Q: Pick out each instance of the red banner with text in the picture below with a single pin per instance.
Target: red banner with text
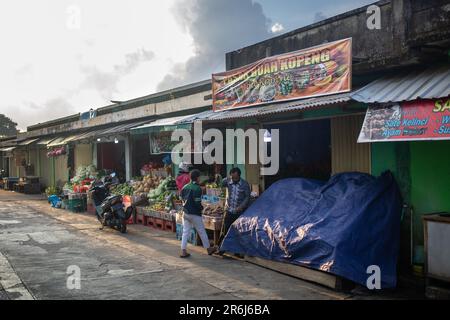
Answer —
(414, 120)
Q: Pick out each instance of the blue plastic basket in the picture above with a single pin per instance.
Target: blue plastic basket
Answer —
(192, 239)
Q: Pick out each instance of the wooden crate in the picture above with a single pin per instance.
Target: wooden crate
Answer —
(212, 223)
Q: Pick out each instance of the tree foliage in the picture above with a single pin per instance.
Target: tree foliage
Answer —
(7, 126)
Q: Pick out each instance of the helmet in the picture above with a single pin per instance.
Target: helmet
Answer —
(184, 167)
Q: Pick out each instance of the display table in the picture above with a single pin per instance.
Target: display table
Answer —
(9, 183)
(213, 224)
(27, 185)
(437, 250)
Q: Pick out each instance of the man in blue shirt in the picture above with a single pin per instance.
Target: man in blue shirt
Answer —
(191, 194)
(238, 199)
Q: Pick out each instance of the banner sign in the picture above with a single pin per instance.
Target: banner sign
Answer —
(414, 120)
(321, 70)
(160, 142)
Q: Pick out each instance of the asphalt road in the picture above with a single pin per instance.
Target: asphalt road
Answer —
(40, 248)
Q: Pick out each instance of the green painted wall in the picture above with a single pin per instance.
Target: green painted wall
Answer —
(422, 173)
(430, 178)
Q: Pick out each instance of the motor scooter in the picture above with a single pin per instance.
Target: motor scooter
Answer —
(109, 208)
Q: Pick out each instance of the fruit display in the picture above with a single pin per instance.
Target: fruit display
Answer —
(149, 167)
(213, 210)
(157, 206)
(165, 202)
(146, 185)
(158, 194)
(123, 189)
(83, 173)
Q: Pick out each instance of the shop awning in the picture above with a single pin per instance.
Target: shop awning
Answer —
(166, 124)
(56, 142)
(45, 141)
(271, 108)
(7, 149)
(431, 83)
(109, 131)
(27, 142)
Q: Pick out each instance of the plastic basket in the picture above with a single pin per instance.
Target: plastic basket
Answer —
(179, 233)
(77, 205)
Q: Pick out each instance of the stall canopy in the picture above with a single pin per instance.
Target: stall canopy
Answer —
(167, 124)
(407, 107)
(8, 149)
(92, 133)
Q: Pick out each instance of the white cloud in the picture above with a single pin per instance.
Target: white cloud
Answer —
(277, 27)
(50, 70)
(216, 27)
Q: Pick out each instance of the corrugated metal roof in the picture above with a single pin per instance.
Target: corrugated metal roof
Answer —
(271, 109)
(163, 122)
(45, 141)
(28, 142)
(56, 142)
(431, 83)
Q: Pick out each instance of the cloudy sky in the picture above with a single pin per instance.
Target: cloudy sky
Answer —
(63, 57)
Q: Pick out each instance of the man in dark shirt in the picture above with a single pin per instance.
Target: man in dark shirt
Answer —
(191, 194)
(238, 199)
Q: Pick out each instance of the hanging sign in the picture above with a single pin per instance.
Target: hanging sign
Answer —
(414, 120)
(320, 70)
(160, 142)
(56, 152)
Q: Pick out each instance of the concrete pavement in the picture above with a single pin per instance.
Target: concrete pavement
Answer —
(41, 246)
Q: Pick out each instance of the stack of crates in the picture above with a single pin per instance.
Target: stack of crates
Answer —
(77, 202)
(193, 237)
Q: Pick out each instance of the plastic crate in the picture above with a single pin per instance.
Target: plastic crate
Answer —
(179, 233)
(130, 220)
(150, 222)
(169, 226)
(65, 204)
(77, 205)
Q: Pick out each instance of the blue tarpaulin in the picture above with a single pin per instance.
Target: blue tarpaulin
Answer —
(342, 226)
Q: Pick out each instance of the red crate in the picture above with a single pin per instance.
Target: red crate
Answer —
(159, 224)
(150, 222)
(141, 219)
(170, 226)
(130, 220)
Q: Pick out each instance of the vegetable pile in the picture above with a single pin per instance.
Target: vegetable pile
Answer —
(123, 190)
(148, 183)
(83, 173)
(159, 194)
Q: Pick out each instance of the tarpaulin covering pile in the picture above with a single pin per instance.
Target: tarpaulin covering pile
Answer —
(342, 226)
